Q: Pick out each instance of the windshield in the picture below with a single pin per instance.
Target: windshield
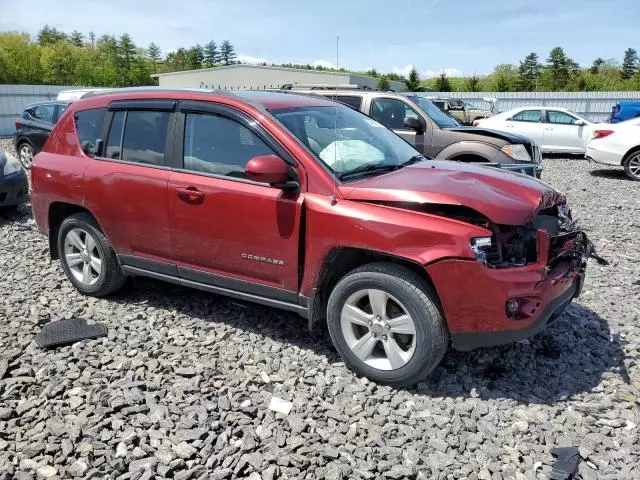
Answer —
(346, 140)
(434, 113)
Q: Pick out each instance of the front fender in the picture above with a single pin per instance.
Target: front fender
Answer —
(414, 236)
(484, 151)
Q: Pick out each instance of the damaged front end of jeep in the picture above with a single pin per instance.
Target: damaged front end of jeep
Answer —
(551, 236)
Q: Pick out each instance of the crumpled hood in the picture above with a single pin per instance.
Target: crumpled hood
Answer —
(503, 197)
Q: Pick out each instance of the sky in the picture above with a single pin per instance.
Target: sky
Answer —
(461, 37)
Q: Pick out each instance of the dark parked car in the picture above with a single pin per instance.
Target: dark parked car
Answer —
(304, 204)
(14, 186)
(33, 127)
(438, 134)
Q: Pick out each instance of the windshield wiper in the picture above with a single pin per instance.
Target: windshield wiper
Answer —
(412, 160)
(366, 169)
(377, 167)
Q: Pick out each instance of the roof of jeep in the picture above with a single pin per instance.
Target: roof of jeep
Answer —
(269, 100)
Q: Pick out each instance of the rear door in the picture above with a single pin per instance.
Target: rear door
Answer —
(126, 183)
(527, 123)
(229, 231)
(561, 134)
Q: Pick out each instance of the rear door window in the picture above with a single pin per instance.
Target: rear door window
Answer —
(350, 100)
(88, 128)
(531, 116)
(114, 140)
(145, 135)
(138, 136)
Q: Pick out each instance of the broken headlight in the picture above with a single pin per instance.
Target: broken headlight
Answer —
(481, 246)
(508, 247)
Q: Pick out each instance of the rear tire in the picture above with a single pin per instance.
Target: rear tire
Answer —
(385, 322)
(632, 165)
(87, 257)
(25, 154)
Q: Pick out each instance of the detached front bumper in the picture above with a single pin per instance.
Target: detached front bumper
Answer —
(14, 189)
(474, 298)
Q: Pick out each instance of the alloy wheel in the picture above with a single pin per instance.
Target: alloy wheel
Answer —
(26, 155)
(634, 166)
(83, 257)
(378, 329)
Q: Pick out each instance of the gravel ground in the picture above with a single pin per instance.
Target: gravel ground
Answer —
(180, 387)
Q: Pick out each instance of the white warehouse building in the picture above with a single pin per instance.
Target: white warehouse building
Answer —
(258, 77)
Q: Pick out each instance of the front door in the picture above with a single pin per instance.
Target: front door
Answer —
(391, 113)
(561, 134)
(228, 231)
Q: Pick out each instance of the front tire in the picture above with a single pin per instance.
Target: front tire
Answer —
(385, 322)
(87, 257)
(632, 166)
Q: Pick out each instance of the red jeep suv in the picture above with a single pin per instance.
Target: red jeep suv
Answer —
(307, 205)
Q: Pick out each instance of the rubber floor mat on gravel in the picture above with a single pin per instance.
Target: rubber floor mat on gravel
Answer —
(66, 332)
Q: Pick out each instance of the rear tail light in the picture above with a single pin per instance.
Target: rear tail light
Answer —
(475, 123)
(601, 133)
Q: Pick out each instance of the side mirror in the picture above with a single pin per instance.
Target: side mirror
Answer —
(413, 123)
(579, 122)
(269, 169)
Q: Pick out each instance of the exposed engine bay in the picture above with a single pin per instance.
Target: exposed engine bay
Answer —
(519, 246)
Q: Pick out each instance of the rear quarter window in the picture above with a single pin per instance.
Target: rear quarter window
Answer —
(88, 128)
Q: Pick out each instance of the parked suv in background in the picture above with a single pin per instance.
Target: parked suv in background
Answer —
(439, 135)
(307, 205)
(464, 112)
(33, 127)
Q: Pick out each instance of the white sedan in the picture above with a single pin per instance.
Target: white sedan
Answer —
(617, 144)
(555, 130)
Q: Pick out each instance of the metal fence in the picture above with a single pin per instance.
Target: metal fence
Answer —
(595, 106)
(13, 98)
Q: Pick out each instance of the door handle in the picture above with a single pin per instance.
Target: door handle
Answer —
(549, 128)
(190, 195)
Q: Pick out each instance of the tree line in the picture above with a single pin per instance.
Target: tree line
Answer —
(558, 73)
(58, 58)
(55, 57)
